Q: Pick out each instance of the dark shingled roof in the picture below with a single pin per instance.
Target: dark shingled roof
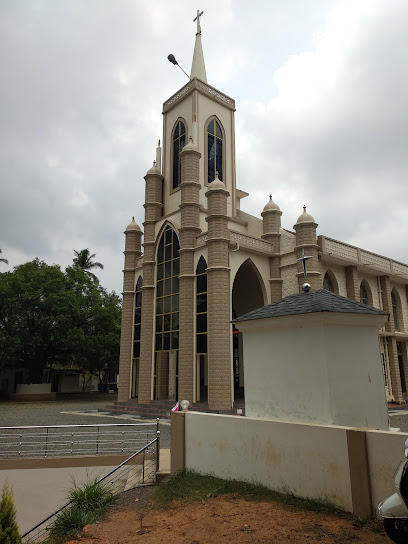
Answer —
(309, 303)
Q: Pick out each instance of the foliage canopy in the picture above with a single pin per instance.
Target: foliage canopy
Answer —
(49, 317)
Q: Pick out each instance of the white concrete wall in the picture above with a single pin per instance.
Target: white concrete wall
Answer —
(356, 383)
(285, 373)
(33, 388)
(306, 460)
(322, 368)
(385, 452)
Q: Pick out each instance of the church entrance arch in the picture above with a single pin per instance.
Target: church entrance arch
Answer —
(248, 293)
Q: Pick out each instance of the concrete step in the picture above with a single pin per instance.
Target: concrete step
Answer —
(135, 475)
(162, 409)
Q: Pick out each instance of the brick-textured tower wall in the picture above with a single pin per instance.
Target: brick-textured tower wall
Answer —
(133, 241)
(391, 341)
(271, 221)
(306, 240)
(219, 304)
(190, 227)
(153, 212)
(352, 283)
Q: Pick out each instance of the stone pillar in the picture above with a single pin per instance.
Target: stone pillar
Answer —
(153, 212)
(306, 239)
(391, 340)
(271, 217)
(133, 244)
(162, 374)
(352, 283)
(190, 227)
(219, 304)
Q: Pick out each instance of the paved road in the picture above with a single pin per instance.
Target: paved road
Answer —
(71, 410)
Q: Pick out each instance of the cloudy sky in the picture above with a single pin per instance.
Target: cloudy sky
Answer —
(321, 90)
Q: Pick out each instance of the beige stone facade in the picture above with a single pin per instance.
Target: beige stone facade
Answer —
(205, 262)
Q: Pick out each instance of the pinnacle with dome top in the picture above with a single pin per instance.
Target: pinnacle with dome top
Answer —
(198, 65)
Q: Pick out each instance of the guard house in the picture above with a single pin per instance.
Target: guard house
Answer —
(321, 347)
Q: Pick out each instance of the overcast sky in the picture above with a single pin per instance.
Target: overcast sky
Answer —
(321, 90)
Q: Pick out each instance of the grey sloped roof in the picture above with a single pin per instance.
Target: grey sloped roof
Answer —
(309, 303)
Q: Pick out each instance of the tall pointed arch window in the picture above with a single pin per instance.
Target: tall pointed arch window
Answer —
(138, 318)
(214, 146)
(179, 141)
(395, 311)
(167, 292)
(327, 283)
(201, 306)
(363, 294)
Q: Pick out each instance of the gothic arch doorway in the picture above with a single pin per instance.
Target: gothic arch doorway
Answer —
(248, 293)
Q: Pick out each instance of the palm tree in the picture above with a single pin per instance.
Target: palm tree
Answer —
(3, 260)
(83, 261)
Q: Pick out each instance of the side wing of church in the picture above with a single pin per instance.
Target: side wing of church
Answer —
(205, 262)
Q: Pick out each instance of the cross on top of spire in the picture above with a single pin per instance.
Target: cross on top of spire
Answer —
(198, 21)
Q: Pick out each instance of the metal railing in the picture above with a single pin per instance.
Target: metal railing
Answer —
(139, 469)
(74, 440)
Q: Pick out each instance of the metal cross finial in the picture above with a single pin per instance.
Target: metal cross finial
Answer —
(270, 197)
(304, 258)
(198, 21)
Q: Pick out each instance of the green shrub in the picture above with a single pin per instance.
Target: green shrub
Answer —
(9, 533)
(70, 522)
(91, 496)
(88, 504)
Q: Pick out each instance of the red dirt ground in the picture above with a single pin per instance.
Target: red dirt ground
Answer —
(227, 519)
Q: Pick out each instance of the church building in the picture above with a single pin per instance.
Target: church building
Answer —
(202, 262)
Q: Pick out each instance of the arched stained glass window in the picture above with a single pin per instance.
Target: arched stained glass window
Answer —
(179, 141)
(214, 140)
(138, 318)
(167, 292)
(201, 306)
(363, 294)
(327, 283)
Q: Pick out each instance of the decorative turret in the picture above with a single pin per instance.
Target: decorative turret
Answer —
(218, 273)
(271, 217)
(153, 212)
(132, 226)
(189, 229)
(306, 240)
(133, 250)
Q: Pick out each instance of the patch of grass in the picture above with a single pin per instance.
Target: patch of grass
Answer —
(188, 486)
(89, 502)
(91, 497)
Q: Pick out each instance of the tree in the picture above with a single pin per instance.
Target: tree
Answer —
(9, 533)
(49, 318)
(83, 261)
(3, 260)
(97, 352)
(37, 317)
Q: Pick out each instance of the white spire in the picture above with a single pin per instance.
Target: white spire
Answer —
(198, 66)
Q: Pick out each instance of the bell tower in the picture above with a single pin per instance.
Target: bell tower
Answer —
(205, 114)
